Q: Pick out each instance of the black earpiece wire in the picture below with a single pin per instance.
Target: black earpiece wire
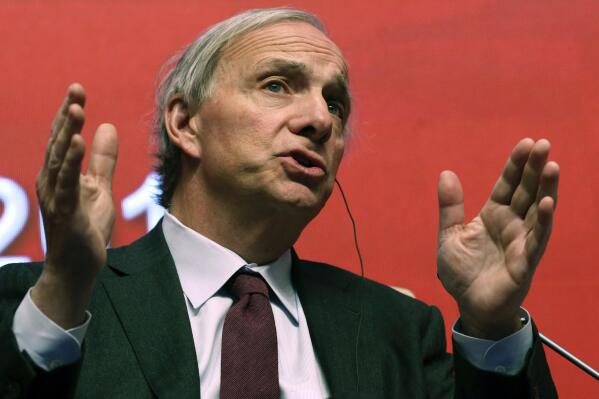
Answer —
(353, 222)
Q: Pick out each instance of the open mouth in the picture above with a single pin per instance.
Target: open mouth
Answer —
(307, 160)
(299, 158)
(305, 167)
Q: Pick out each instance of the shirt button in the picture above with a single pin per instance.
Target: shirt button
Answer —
(500, 369)
(12, 391)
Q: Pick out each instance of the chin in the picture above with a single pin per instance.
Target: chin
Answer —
(303, 199)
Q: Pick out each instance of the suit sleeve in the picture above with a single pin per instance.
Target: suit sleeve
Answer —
(19, 377)
(533, 382)
(465, 381)
(437, 363)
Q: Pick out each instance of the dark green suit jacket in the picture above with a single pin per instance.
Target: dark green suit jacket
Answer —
(371, 341)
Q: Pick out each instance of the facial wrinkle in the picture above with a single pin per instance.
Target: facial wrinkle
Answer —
(314, 42)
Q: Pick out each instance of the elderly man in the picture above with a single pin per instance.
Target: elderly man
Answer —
(214, 302)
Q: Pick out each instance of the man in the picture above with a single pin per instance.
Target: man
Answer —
(252, 121)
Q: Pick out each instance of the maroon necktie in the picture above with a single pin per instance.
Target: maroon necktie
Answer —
(249, 361)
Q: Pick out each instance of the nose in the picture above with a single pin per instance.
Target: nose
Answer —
(311, 118)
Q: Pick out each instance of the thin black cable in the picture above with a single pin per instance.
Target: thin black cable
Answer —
(353, 222)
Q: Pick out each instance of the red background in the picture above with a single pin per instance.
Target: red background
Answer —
(437, 85)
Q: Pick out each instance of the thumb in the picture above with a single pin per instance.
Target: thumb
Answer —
(451, 200)
(103, 154)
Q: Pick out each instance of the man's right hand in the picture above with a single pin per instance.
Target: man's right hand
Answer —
(78, 212)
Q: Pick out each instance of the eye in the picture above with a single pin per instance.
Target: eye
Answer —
(275, 87)
(335, 108)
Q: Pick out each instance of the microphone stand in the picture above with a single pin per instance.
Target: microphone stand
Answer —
(570, 357)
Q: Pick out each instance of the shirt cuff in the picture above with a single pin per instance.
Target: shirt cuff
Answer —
(506, 356)
(48, 345)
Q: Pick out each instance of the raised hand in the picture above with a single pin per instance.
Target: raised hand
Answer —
(77, 209)
(487, 265)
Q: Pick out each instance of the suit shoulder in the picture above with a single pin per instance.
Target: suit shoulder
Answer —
(372, 291)
(150, 244)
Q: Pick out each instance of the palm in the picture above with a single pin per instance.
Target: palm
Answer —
(487, 265)
(98, 206)
(97, 213)
(82, 232)
(482, 265)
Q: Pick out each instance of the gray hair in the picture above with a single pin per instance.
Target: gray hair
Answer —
(189, 74)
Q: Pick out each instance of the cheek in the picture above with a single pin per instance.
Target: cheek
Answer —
(258, 133)
(337, 154)
(243, 146)
(240, 133)
(230, 130)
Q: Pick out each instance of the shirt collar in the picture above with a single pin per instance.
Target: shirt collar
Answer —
(204, 266)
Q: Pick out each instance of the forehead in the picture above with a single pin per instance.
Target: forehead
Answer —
(291, 40)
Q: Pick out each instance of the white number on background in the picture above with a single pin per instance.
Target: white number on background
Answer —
(142, 201)
(16, 212)
(42, 231)
(14, 217)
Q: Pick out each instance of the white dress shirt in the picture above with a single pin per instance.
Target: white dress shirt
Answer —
(204, 267)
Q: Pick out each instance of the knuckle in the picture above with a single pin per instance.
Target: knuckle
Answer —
(53, 164)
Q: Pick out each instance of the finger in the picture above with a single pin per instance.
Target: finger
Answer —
(451, 200)
(547, 188)
(67, 183)
(528, 188)
(512, 172)
(75, 95)
(549, 182)
(536, 242)
(73, 125)
(103, 154)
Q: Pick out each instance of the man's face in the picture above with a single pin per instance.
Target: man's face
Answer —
(273, 131)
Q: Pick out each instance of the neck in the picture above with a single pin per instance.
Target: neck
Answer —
(257, 235)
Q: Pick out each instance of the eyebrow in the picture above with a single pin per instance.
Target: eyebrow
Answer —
(279, 65)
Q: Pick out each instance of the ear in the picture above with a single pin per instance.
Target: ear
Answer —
(182, 127)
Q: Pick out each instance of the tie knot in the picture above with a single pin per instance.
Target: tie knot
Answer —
(248, 283)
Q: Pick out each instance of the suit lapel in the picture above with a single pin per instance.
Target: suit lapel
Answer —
(146, 294)
(149, 302)
(333, 315)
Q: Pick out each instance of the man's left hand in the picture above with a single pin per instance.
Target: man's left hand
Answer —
(487, 265)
